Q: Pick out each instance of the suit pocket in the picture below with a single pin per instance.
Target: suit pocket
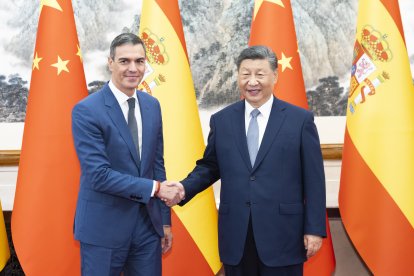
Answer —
(291, 208)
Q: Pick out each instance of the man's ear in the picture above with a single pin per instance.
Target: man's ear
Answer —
(276, 77)
(110, 63)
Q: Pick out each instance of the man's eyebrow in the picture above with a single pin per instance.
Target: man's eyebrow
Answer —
(125, 58)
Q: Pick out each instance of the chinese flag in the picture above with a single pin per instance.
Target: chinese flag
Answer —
(48, 177)
(168, 78)
(273, 26)
(376, 196)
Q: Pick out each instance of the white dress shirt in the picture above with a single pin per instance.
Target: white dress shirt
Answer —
(262, 118)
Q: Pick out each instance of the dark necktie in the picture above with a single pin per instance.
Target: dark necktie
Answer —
(253, 136)
(133, 125)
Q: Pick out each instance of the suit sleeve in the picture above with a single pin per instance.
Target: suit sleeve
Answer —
(314, 180)
(206, 171)
(90, 147)
(159, 172)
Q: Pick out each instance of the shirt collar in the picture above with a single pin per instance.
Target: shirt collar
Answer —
(119, 95)
(264, 108)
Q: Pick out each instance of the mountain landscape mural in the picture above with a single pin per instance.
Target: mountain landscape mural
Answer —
(215, 31)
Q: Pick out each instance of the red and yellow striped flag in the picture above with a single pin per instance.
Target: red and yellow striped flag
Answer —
(168, 78)
(4, 243)
(49, 171)
(273, 26)
(376, 196)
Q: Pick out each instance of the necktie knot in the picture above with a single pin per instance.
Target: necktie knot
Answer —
(131, 103)
(255, 112)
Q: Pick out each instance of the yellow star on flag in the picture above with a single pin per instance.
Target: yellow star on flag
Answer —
(50, 3)
(79, 53)
(61, 65)
(258, 4)
(285, 62)
(36, 61)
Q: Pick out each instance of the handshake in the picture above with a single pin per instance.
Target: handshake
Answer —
(171, 192)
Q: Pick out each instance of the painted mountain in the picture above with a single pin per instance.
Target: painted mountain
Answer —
(215, 32)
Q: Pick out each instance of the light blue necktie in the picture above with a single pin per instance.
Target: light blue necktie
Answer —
(253, 136)
(133, 125)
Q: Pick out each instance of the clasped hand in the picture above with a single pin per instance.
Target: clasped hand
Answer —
(171, 192)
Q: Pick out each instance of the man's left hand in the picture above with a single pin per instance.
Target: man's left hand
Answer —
(166, 241)
(312, 244)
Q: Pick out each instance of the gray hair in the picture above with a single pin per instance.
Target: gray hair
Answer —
(258, 52)
(122, 39)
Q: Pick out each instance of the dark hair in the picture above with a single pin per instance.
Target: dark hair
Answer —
(122, 39)
(258, 52)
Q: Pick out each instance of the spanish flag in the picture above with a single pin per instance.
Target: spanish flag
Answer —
(168, 78)
(376, 196)
(273, 26)
(4, 243)
(49, 171)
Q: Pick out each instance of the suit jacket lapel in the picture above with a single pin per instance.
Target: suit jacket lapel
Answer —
(147, 124)
(239, 130)
(115, 113)
(276, 119)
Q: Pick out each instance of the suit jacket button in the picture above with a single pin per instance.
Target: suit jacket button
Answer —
(252, 178)
(248, 203)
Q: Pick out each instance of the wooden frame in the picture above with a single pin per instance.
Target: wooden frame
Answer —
(9, 157)
(329, 152)
(331, 141)
(332, 151)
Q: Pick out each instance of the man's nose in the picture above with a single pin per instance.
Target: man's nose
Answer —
(252, 81)
(132, 67)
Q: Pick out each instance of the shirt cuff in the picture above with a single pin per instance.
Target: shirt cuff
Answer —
(154, 186)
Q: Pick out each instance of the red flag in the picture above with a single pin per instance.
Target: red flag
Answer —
(48, 177)
(273, 26)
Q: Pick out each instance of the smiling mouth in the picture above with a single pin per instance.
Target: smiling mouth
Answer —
(132, 78)
(253, 92)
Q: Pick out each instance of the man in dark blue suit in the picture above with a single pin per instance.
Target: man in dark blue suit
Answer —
(268, 156)
(120, 222)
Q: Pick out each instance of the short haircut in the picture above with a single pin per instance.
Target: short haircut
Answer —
(258, 52)
(122, 39)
